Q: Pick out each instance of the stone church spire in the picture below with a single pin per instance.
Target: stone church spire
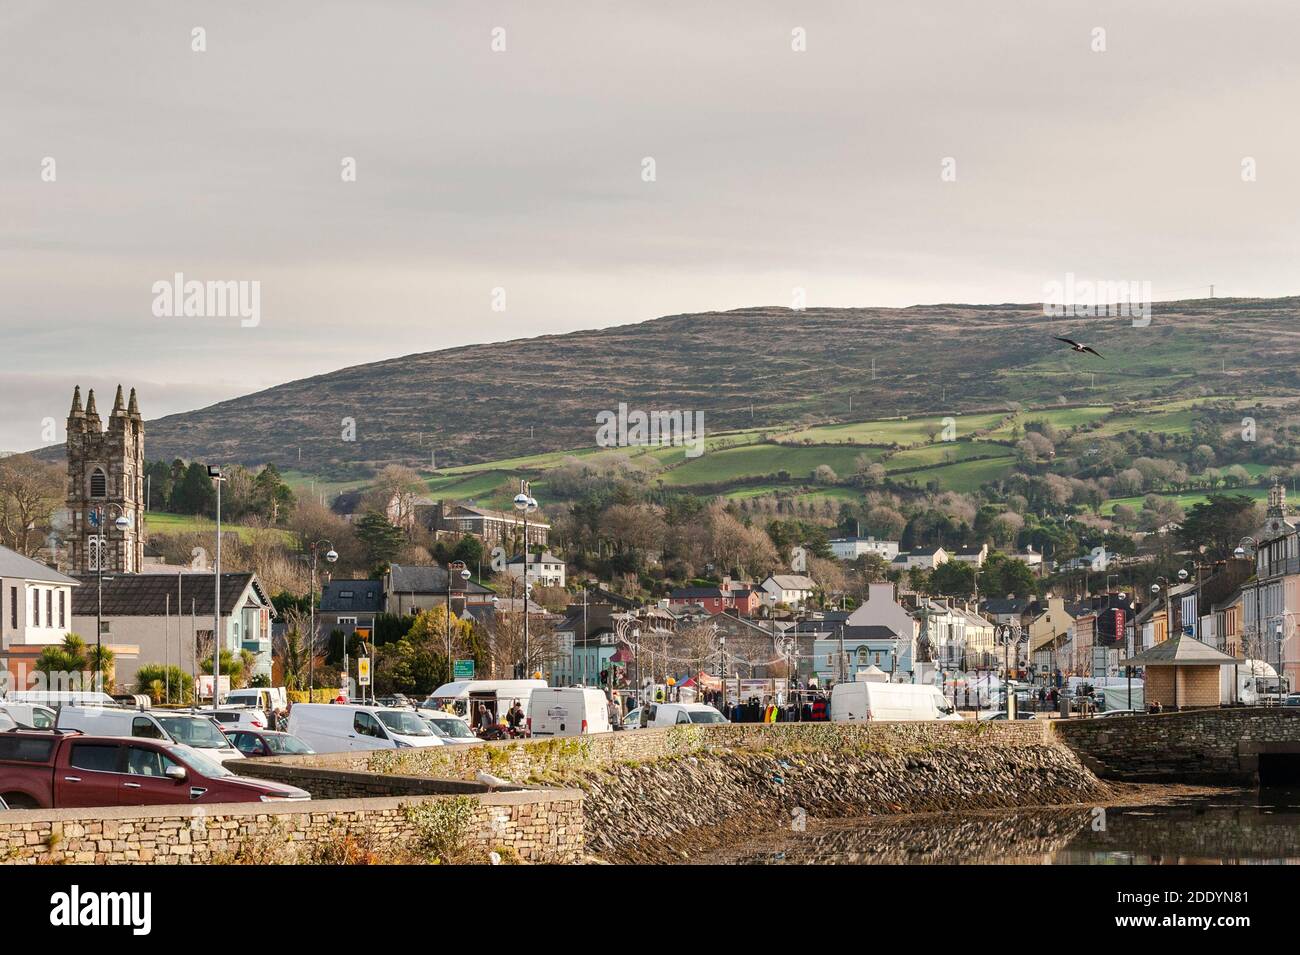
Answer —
(76, 411)
(132, 408)
(91, 410)
(119, 405)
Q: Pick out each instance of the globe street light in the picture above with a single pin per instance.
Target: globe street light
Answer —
(123, 524)
(526, 504)
(453, 569)
(331, 555)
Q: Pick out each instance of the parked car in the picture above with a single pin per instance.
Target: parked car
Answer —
(339, 727)
(261, 742)
(31, 715)
(632, 721)
(189, 729)
(670, 714)
(242, 717)
(452, 729)
(395, 700)
(863, 701)
(59, 769)
(567, 711)
(7, 722)
(1002, 715)
(1291, 699)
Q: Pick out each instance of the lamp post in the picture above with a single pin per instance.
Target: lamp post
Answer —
(123, 523)
(331, 555)
(214, 472)
(526, 504)
(454, 569)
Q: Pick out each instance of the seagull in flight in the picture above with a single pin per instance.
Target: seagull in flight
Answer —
(1077, 347)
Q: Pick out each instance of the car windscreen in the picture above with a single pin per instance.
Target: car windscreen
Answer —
(199, 732)
(456, 729)
(199, 762)
(404, 723)
(285, 745)
(706, 716)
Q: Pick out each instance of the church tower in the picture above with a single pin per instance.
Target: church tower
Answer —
(105, 482)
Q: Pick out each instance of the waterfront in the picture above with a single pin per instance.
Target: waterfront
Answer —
(1229, 826)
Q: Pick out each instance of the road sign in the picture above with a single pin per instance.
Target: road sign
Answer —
(363, 671)
(464, 670)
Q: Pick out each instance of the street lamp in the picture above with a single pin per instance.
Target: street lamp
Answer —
(123, 523)
(454, 568)
(331, 556)
(526, 504)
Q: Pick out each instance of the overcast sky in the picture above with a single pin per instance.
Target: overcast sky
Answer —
(522, 170)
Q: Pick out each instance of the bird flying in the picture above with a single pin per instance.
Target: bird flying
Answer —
(1077, 347)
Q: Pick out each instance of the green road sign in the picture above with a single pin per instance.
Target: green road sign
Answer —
(464, 669)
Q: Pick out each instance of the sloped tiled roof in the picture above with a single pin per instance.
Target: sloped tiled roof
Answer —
(150, 595)
(14, 564)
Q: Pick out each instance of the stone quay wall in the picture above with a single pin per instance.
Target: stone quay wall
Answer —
(664, 794)
(529, 826)
(1209, 745)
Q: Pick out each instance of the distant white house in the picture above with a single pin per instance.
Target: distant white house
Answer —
(926, 557)
(793, 590)
(972, 555)
(851, 548)
(544, 569)
(35, 611)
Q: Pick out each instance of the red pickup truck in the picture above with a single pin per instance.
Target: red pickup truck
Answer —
(61, 769)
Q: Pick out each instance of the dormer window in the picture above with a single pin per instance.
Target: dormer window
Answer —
(98, 483)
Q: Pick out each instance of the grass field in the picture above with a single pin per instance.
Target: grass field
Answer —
(732, 464)
(904, 431)
(161, 522)
(1186, 500)
(964, 476)
(1061, 418)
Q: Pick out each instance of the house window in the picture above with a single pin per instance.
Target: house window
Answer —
(49, 608)
(34, 617)
(62, 618)
(98, 483)
(13, 607)
(347, 621)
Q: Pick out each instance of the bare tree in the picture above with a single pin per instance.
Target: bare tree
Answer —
(30, 490)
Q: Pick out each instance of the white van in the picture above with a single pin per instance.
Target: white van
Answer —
(670, 714)
(55, 699)
(30, 714)
(567, 711)
(188, 729)
(340, 727)
(236, 717)
(872, 702)
(268, 699)
(464, 697)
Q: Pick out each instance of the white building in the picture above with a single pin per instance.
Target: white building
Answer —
(927, 558)
(544, 569)
(35, 611)
(851, 548)
(793, 590)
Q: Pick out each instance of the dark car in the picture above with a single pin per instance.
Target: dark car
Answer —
(267, 743)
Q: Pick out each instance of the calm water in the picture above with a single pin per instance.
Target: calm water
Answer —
(1228, 828)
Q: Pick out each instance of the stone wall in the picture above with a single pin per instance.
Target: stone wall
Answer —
(538, 760)
(657, 795)
(1213, 745)
(530, 826)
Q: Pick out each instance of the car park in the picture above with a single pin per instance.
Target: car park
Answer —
(58, 769)
(340, 727)
(263, 742)
(453, 729)
(190, 729)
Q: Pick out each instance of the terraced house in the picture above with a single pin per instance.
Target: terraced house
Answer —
(35, 611)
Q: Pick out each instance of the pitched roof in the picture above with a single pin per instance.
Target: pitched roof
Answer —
(14, 564)
(150, 595)
(692, 593)
(546, 557)
(1180, 650)
(792, 582)
(419, 579)
(342, 596)
(873, 632)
